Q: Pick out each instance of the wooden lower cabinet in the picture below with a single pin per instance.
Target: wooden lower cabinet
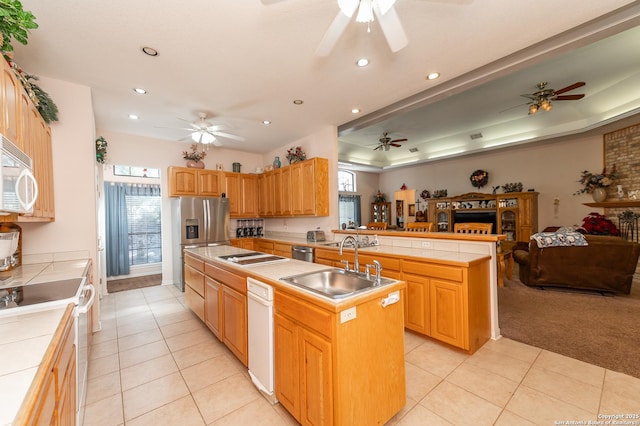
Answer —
(225, 312)
(448, 303)
(416, 311)
(330, 371)
(263, 246)
(234, 323)
(194, 289)
(243, 243)
(52, 397)
(303, 372)
(212, 311)
(282, 249)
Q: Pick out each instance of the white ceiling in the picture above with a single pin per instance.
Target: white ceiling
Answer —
(244, 61)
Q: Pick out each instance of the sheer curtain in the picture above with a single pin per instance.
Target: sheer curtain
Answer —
(349, 209)
(117, 223)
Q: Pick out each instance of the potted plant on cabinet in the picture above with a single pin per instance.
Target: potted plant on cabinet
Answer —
(15, 23)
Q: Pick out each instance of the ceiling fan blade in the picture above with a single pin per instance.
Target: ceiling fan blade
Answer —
(513, 107)
(571, 87)
(568, 97)
(227, 135)
(378, 147)
(397, 145)
(392, 28)
(334, 32)
(400, 140)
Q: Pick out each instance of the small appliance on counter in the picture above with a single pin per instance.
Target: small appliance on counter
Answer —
(315, 236)
(10, 253)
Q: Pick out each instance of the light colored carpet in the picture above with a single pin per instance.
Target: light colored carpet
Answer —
(600, 330)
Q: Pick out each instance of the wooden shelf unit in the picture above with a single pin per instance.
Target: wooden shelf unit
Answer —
(516, 212)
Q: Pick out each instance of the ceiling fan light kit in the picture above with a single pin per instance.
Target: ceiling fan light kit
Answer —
(543, 97)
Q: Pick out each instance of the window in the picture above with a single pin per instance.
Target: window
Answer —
(145, 240)
(349, 210)
(346, 181)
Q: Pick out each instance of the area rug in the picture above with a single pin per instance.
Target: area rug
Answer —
(600, 330)
(114, 286)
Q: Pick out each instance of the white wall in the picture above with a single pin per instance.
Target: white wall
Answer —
(552, 168)
(73, 175)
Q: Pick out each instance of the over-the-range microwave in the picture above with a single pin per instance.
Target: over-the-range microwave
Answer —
(18, 186)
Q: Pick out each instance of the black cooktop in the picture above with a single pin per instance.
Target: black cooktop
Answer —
(31, 294)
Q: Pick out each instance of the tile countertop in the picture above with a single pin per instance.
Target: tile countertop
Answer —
(24, 339)
(25, 334)
(275, 270)
(409, 248)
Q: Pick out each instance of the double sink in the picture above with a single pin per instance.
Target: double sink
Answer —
(336, 283)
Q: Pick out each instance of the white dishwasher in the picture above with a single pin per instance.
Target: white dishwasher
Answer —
(260, 319)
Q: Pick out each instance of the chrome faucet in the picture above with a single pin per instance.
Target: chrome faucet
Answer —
(356, 263)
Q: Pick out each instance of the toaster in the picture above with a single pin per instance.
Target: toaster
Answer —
(315, 236)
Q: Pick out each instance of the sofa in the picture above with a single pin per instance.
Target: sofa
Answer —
(606, 264)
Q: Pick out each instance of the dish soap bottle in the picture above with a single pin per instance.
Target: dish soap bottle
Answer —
(276, 163)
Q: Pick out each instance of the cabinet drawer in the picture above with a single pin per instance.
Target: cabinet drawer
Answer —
(194, 301)
(332, 254)
(452, 273)
(304, 313)
(194, 279)
(195, 263)
(388, 263)
(229, 279)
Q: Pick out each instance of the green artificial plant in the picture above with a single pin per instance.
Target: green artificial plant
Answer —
(15, 23)
(47, 108)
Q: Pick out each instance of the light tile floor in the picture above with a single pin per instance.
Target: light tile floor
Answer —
(155, 363)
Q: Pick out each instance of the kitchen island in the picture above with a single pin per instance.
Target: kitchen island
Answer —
(337, 361)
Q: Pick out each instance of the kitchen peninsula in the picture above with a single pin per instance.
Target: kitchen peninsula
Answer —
(337, 361)
(400, 253)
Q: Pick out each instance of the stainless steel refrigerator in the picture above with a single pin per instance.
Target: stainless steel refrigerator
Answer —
(197, 222)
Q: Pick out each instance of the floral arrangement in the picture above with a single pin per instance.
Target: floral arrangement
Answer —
(101, 150)
(296, 154)
(598, 224)
(194, 155)
(512, 187)
(425, 195)
(439, 193)
(479, 178)
(379, 198)
(592, 181)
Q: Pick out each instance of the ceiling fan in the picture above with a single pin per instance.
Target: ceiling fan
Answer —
(205, 132)
(543, 97)
(367, 12)
(386, 142)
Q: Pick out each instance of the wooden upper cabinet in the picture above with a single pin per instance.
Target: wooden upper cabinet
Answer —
(22, 124)
(194, 182)
(209, 183)
(266, 194)
(249, 193)
(11, 90)
(233, 191)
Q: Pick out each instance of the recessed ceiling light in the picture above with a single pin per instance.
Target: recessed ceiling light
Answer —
(362, 62)
(355, 110)
(298, 102)
(139, 90)
(433, 76)
(150, 51)
(266, 122)
(134, 117)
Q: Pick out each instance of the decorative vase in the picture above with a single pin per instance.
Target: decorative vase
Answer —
(195, 164)
(276, 163)
(599, 194)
